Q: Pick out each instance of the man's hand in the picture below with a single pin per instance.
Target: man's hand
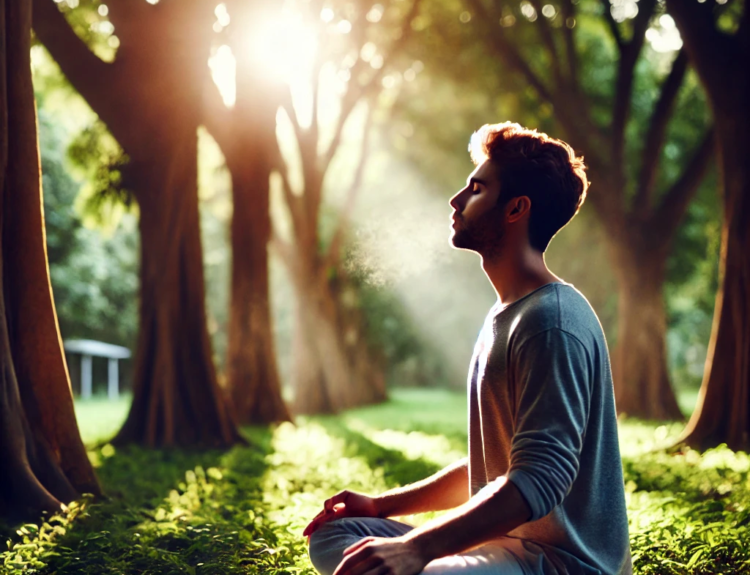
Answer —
(376, 555)
(344, 504)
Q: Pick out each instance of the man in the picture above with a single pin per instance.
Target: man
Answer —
(542, 489)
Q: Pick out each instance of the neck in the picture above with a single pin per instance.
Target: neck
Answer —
(517, 273)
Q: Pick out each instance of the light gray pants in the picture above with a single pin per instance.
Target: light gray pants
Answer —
(327, 546)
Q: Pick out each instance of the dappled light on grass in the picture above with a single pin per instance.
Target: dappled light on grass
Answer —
(243, 511)
(689, 512)
(307, 465)
(414, 445)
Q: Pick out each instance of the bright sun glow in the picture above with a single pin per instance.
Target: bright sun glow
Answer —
(283, 47)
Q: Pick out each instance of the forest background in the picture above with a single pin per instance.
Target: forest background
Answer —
(252, 197)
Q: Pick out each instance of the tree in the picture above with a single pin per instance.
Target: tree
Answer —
(246, 135)
(44, 461)
(149, 98)
(721, 57)
(335, 366)
(638, 206)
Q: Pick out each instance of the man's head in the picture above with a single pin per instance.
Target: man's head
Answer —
(525, 183)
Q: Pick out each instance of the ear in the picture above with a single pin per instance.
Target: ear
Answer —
(517, 208)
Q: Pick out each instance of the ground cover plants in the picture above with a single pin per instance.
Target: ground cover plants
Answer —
(242, 511)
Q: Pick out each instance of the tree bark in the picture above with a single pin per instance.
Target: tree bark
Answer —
(252, 377)
(44, 460)
(176, 398)
(723, 411)
(639, 359)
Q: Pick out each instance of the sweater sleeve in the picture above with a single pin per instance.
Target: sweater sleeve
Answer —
(552, 386)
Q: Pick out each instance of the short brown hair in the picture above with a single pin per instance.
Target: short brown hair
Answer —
(532, 164)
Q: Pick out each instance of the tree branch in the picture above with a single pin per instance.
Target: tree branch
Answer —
(93, 78)
(549, 41)
(355, 92)
(217, 118)
(711, 52)
(672, 208)
(334, 249)
(507, 52)
(288, 105)
(657, 129)
(613, 27)
(568, 12)
(293, 202)
(629, 53)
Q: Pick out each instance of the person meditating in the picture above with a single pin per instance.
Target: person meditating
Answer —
(541, 491)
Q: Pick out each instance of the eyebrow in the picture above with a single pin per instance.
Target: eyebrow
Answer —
(476, 181)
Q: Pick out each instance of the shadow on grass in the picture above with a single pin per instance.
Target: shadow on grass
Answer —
(397, 468)
(165, 512)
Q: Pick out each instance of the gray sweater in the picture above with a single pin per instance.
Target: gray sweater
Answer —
(542, 413)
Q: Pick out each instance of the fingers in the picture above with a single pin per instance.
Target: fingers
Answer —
(358, 562)
(331, 508)
(314, 524)
(335, 500)
(357, 545)
(311, 526)
(338, 511)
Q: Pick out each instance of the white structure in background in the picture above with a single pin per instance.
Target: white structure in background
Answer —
(88, 349)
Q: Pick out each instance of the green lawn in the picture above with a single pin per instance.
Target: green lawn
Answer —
(242, 511)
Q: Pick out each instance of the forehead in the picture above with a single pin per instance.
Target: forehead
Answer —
(485, 172)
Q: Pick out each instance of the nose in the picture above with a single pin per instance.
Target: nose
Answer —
(458, 202)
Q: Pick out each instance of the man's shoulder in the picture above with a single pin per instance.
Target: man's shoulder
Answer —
(558, 306)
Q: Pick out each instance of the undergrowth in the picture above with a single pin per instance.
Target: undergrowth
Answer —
(242, 511)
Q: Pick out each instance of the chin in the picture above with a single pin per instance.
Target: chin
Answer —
(460, 241)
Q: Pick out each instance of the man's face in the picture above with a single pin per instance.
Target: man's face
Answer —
(477, 217)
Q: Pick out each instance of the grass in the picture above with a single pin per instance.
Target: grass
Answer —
(242, 511)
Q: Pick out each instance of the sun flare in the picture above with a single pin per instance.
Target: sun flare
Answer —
(281, 46)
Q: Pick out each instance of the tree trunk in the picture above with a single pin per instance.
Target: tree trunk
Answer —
(639, 360)
(723, 411)
(176, 397)
(247, 137)
(252, 377)
(335, 368)
(149, 97)
(44, 461)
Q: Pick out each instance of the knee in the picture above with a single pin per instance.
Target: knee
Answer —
(327, 546)
(328, 542)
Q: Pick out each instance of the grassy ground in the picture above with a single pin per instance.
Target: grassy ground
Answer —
(242, 511)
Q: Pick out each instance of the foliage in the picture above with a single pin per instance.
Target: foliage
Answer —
(94, 277)
(100, 159)
(242, 511)
(410, 359)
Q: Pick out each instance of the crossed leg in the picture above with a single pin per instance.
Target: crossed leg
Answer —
(327, 546)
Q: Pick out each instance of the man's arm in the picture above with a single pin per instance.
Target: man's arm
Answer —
(445, 489)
